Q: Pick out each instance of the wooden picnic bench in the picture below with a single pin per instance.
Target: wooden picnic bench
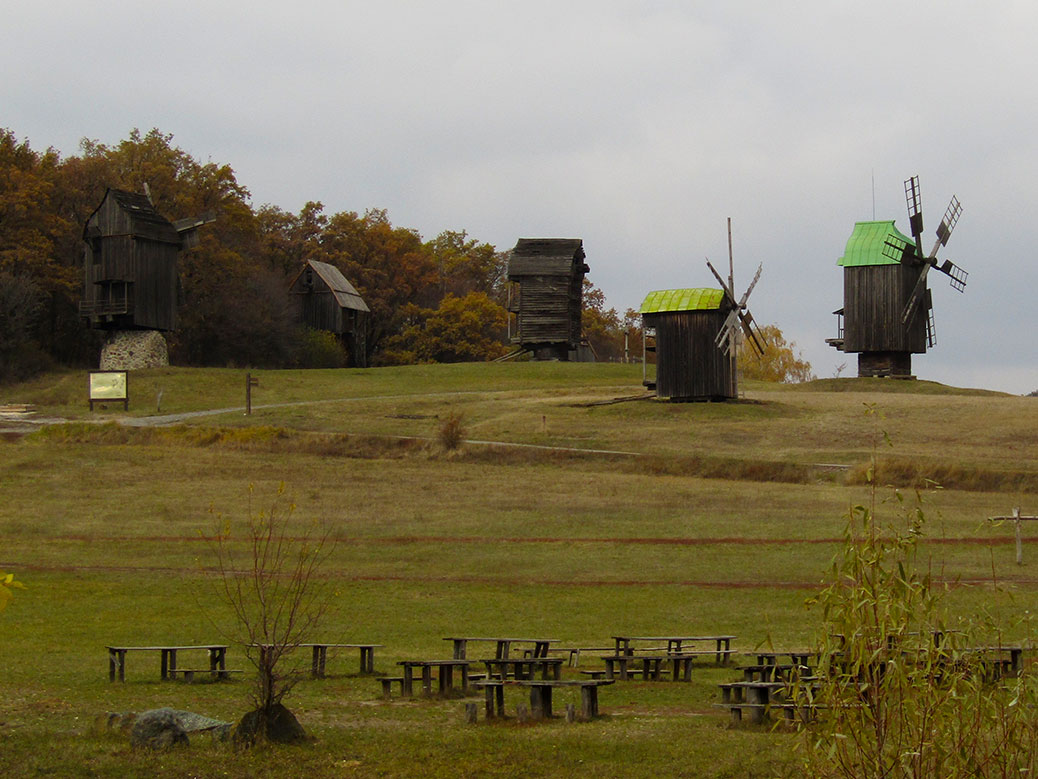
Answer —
(523, 667)
(319, 655)
(444, 676)
(217, 654)
(757, 698)
(619, 666)
(541, 695)
(677, 645)
(503, 646)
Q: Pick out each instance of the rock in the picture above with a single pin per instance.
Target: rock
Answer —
(127, 350)
(162, 728)
(158, 729)
(278, 725)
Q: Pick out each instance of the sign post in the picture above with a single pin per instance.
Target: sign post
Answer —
(108, 387)
(249, 384)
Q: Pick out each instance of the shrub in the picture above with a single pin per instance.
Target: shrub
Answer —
(452, 433)
(320, 349)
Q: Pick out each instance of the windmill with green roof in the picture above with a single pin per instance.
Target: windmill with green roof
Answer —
(887, 313)
(697, 332)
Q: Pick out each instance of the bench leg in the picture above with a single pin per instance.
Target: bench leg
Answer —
(367, 659)
(540, 702)
(589, 701)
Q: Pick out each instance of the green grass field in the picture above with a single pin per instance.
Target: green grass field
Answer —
(691, 518)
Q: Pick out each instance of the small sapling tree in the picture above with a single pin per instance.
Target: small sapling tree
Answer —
(7, 587)
(903, 690)
(268, 574)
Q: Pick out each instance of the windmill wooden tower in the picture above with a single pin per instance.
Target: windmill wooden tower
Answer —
(327, 301)
(130, 263)
(697, 333)
(550, 273)
(887, 313)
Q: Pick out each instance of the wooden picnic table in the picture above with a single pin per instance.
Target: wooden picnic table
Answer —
(676, 645)
(621, 663)
(503, 645)
(319, 655)
(541, 695)
(524, 667)
(796, 656)
(217, 654)
(1015, 660)
(444, 675)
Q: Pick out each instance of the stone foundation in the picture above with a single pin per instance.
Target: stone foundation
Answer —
(127, 350)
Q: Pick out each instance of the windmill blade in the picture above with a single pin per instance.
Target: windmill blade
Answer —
(915, 207)
(944, 231)
(896, 249)
(955, 273)
(754, 336)
(726, 335)
(730, 293)
(749, 289)
(917, 295)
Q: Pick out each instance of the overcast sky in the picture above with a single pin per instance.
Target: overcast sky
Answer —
(636, 126)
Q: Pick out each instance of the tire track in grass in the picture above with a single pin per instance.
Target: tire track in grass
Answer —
(739, 584)
(650, 541)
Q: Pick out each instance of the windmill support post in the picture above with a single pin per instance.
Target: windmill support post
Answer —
(1016, 518)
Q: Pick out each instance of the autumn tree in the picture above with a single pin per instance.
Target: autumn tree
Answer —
(780, 361)
(461, 329)
(466, 265)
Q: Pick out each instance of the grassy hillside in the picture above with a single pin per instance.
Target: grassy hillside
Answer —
(691, 518)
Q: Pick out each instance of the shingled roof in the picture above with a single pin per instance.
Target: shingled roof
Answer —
(345, 293)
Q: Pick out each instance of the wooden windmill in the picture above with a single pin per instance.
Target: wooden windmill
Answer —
(887, 312)
(130, 263)
(697, 333)
(550, 277)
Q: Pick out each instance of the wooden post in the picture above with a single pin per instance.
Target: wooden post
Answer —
(1017, 518)
(1019, 542)
(249, 384)
(470, 713)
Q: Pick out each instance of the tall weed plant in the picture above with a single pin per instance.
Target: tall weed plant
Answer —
(903, 688)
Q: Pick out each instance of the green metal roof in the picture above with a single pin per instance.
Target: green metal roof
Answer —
(866, 244)
(696, 299)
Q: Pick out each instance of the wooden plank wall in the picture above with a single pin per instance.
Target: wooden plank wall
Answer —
(873, 299)
(689, 365)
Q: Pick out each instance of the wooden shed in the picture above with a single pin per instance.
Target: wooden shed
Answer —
(876, 289)
(130, 263)
(327, 301)
(550, 276)
(690, 364)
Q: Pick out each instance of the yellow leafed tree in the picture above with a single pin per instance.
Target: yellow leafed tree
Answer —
(779, 362)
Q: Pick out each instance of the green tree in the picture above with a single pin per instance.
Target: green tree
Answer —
(779, 362)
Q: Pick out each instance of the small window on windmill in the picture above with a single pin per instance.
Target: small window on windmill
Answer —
(308, 280)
